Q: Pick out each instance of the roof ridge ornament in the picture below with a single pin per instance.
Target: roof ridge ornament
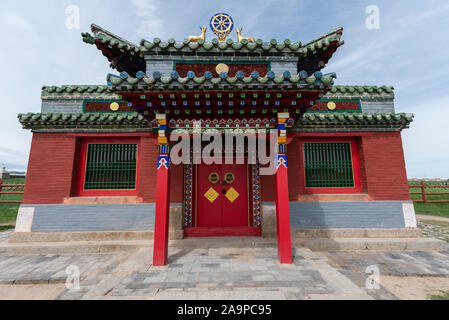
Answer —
(222, 25)
(241, 38)
(202, 36)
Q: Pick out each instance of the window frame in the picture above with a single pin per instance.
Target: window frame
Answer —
(355, 167)
(83, 166)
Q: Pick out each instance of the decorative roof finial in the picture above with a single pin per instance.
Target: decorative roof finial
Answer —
(222, 25)
(240, 37)
(197, 38)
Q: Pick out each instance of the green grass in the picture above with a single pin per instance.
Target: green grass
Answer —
(443, 296)
(6, 228)
(8, 211)
(433, 209)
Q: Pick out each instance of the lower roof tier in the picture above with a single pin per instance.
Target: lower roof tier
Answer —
(107, 122)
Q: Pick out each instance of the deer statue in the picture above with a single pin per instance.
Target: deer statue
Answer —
(202, 36)
(240, 37)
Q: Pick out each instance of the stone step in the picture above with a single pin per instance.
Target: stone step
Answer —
(73, 247)
(316, 244)
(373, 244)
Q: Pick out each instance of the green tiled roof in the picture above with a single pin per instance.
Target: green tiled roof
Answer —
(54, 120)
(111, 39)
(314, 121)
(259, 46)
(91, 91)
(77, 92)
(371, 92)
(273, 47)
(286, 82)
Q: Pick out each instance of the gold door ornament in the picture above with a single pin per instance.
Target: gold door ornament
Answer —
(214, 178)
(211, 195)
(229, 178)
(232, 195)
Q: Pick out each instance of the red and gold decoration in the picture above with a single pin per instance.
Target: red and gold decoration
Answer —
(162, 195)
(282, 195)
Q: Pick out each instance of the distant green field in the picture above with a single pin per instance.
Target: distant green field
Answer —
(435, 209)
(444, 295)
(8, 211)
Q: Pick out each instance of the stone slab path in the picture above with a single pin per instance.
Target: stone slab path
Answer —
(399, 265)
(4, 236)
(221, 274)
(431, 218)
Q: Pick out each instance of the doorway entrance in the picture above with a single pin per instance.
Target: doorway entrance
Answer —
(222, 200)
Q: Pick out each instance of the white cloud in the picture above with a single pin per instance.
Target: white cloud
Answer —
(409, 21)
(14, 159)
(426, 143)
(13, 21)
(151, 24)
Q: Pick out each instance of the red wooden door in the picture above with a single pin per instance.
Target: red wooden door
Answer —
(222, 196)
(209, 206)
(235, 196)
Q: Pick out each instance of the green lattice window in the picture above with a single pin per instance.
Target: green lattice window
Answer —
(328, 165)
(111, 167)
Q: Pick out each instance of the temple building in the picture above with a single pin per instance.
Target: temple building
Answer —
(101, 162)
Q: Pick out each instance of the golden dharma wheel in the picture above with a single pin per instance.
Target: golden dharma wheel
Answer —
(222, 25)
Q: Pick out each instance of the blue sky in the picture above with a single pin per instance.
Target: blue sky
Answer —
(410, 51)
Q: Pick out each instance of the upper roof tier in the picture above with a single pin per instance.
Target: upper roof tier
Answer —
(106, 92)
(127, 56)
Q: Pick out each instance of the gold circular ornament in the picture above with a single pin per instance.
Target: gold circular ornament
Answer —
(222, 68)
(114, 106)
(229, 178)
(214, 178)
(331, 106)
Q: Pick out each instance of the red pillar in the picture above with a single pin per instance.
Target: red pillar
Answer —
(282, 196)
(162, 220)
(283, 211)
(161, 226)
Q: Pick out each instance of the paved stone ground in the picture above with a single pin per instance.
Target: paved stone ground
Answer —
(4, 236)
(224, 274)
(221, 274)
(401, 264)
(227, 270)
(435, 229)
(52, 268)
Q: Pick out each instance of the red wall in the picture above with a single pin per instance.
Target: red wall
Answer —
(382, 169)
(50, 168)
(147, 173)
(53, 170)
